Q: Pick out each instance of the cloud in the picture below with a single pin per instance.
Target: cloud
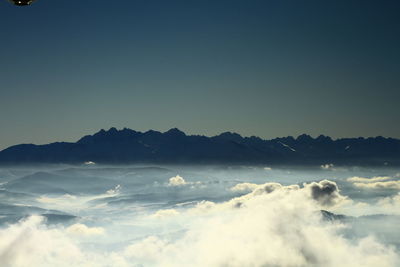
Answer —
(31, 243)
(379, 185)
(325, 192)
(115, 191)
(390, 204)
(176, 181)
(329, 166)
(357, 179)
(28, 243)
(377, 182)
(165, 213)
(268, 168)
(276, 225)
(149, 250)
(83, 230)
(244, 187)
(56, 200)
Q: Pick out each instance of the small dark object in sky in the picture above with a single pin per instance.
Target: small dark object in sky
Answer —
(22, 2)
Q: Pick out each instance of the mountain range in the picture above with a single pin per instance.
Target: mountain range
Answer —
(174, 146)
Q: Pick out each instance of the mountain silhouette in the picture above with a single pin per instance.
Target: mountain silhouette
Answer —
(174, 146)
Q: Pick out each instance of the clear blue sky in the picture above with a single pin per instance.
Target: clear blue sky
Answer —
(265, 68)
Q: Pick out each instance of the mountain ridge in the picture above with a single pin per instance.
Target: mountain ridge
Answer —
(115, 146)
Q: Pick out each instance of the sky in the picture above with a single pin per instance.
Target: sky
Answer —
(267, 68)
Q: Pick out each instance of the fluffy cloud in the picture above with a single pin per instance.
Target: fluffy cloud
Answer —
(325, 193)
(378, 182)
(379, 185)
(176, 181)
(165, 213)
(390, 204)
(83, 230)
(28, 243)
(357, 179)
(275, 226)
(149, 250)
(244, 187)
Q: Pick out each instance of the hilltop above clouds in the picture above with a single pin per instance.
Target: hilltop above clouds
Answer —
(174, 146)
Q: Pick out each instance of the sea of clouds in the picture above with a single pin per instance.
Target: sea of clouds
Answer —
(200, 216)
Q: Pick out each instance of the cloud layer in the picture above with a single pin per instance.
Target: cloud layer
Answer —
(273, 225)
(377, 182)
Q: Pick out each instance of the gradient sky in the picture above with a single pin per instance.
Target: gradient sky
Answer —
(265, 68)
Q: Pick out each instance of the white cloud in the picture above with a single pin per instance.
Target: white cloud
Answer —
(83, 230)
(165, 213)
(30, 244)
(274, 225)
(325, 193)
(268, 168)
(244, 187)
(390, 204)
(149, 250)
(357, 179)
(379, 185)
(176, 181)
(377, 182)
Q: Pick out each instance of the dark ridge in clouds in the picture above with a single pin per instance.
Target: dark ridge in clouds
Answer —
(174, 146)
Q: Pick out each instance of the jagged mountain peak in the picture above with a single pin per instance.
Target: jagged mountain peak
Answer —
(129, 146)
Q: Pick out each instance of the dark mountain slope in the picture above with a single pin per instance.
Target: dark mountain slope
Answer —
(174, 146)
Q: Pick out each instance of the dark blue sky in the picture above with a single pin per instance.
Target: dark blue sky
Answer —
(265, 68)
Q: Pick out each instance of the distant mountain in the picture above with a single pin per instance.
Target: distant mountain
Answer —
(174, 146)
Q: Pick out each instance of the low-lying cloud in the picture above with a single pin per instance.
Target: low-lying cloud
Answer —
(273, 225)
(325, 192)
(357, 179)
(177, 181)
(83, 230)
(244, 187)
(379, 185)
